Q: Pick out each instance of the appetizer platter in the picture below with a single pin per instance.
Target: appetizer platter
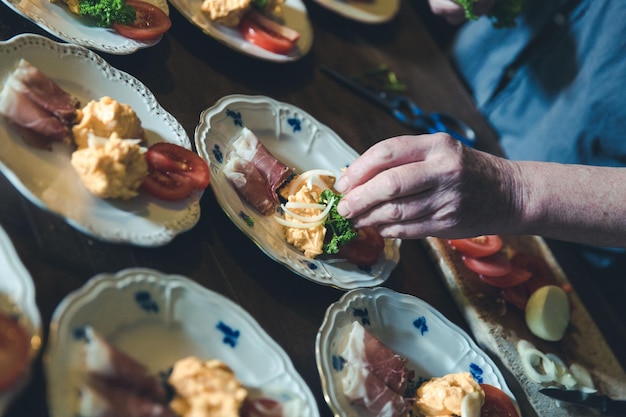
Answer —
(364, 11)
(523, 325)
(301, 142)
(292, 14)
(47, 178)
(408, 326)
(156, 320)
(18, 314)
(58, 20)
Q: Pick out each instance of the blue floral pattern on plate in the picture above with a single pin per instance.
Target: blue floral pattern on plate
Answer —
(433, 345)
(301, 142)
(158, 319)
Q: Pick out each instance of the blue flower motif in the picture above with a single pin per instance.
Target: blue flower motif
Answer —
(476, 372)
(217, 153)
(145, 301)
(296, 124)
(231, 336)
(79, 333)
(363, 314)
(420, 324)
(236, 116)
(338, 363)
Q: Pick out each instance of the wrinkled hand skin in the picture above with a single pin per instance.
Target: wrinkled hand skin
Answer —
(411, 187)
(454, 13)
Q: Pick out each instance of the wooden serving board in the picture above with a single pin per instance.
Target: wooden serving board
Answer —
(498, 327)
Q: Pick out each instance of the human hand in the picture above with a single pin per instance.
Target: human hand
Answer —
(411, 187)
(454, 12)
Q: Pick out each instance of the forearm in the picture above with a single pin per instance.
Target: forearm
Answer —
(576, 203)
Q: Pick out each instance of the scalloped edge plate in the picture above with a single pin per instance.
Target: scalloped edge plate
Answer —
(17, 298)
(412, 328)
(301, 142)
(47, 178)
(293, 14)
(158, 319)
(364, 11)
(55, 18)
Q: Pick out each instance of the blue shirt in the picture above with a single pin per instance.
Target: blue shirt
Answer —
(553, 87)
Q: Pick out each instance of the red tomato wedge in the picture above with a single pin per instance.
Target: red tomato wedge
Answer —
(478, 246)
(365, 249)
(263, 37)
(496, 265)
(541, 274)
(174, 172)
(14, 352)
(272, 26)
(516, 295)
(497, 403)
(150, 22)
(515, 277)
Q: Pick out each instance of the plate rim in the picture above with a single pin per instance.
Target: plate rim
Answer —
(364, 17)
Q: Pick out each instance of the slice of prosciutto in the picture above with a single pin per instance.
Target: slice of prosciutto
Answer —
(111, 401)
(374, 376)
(248, 146)
(249, 183)
(39, 110)
(108, 366)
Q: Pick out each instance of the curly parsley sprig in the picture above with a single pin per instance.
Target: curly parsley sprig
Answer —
(341, 228)
(502, 14)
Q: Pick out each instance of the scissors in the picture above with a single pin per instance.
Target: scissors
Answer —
(407, 112)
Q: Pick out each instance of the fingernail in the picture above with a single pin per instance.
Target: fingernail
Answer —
(342, 184)
(343, 208)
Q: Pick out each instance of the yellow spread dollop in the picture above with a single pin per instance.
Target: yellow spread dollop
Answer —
(442, 397)
(310, 240)
(205, 389)
(111, 168)
(104, 117)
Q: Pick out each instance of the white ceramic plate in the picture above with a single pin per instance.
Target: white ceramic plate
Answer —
(56, 18)
(293, 14)
(47, 178)
(17, 298)
(412, 328)
(364, 11)
(301, 142)
(159, 319)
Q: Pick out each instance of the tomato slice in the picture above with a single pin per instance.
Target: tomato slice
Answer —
(365, 249)
(496, 265)
(515, 277)
(478, 246)
(516, 295)
(14, 351)
(150, 22)
(174, 172)
(264, 38)
(497, 403)
(541, 274)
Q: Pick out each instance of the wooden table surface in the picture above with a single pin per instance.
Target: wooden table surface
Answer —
(189, 71)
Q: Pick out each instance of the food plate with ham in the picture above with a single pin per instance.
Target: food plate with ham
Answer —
(364, 11)
(301, 142)
(58, 20)
(411, 328)
(157, 319)
(18, 314)
(292, 14)
(47, 178)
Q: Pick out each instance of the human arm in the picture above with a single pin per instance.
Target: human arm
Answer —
(431, 185)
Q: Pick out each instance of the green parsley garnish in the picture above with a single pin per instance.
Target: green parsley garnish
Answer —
(340, 228)
(107, 12)
(502, 14)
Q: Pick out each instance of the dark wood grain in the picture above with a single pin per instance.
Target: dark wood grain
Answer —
(188, 71)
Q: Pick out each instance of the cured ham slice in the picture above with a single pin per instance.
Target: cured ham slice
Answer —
(44, 92)
(249, 183)
(110, 401)
(107, 366)
(255, 173)
(276, 173)
(39, 110)
(374, 376)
